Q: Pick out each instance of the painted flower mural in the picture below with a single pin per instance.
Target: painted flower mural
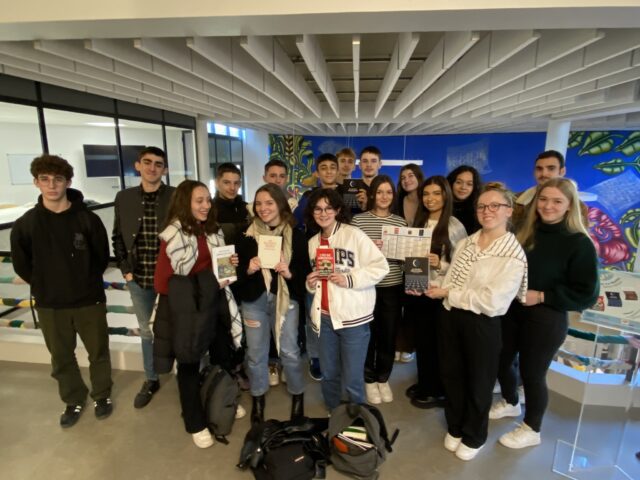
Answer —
(607, 237)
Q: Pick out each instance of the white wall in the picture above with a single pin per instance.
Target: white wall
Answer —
(256, 154)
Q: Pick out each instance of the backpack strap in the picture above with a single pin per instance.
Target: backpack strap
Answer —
(384, 434)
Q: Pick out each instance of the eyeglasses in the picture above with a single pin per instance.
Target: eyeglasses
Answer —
(492, 207)
(47, 179)
(319, 211)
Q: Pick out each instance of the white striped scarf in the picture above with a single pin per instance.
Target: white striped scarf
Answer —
(505, 246)
(182, 250)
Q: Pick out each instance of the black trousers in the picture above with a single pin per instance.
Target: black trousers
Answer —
(193, 414)
(470, 347)
(535, 333)
(426, 322)
(382, 345)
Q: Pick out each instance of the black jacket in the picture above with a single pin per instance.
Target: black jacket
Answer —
(233, 218)
(249, 287)
(186, 320)
(128, 211)
(62, 255)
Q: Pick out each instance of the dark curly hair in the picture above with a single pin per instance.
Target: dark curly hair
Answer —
(180, 209)
(51, 164)
(334, 199)
(477, 182)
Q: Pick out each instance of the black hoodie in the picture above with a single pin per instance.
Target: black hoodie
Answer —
(62, 255)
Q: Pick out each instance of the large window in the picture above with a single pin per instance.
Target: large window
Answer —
(134, 136)
(181, 152)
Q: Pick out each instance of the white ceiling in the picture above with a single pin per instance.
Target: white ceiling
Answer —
(382, 83)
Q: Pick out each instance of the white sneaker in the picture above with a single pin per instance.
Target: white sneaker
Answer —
(203, 439)
(502, 408)
(467, 453)
(521, 395)
(274, 375)
(386, 395)
(373, 393)
(521, 437)
(451, 443)
(396, 358)
(496, 387)
(406, 357)
(240, 412)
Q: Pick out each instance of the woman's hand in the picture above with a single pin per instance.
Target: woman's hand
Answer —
(339, 279)
(254, 265)
(312, 279)
(224, 284)
(361, 198)
(534, 297)
(437, 292)
(434, 261)
(415, 293)
(234, 260)
(283, 269)
(378, 243)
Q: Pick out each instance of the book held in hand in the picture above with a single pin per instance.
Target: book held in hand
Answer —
(223, 269)
(350, 188)
(416, 273)
(325, 261)
(269, 248)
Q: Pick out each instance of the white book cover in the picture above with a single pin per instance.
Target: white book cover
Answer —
(222, 266)
(269, 248)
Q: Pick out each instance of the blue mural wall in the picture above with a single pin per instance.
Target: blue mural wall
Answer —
(606, 166)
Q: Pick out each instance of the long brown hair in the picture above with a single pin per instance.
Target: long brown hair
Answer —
(373, 190)
(180, 210)
(440, 238)
(284, 210)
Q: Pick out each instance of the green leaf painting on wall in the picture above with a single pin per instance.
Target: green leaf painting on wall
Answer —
(630, 145)
(617, 165)
(575, 139)
(597, 143)
(631, 231)
(296, 152)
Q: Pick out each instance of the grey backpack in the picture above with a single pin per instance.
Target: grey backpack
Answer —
(220, 395)
(359, 440)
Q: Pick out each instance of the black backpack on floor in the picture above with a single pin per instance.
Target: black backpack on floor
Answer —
(359, 454)
(291, 450)
(220, 396)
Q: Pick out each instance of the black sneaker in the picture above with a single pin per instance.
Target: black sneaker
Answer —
(314, 369)
(149, 387)
(103, 408)
(427, 402)
(70, 415)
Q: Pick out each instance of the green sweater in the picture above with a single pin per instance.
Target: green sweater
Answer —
(564, 266)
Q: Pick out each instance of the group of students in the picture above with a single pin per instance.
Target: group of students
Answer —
(495, 294)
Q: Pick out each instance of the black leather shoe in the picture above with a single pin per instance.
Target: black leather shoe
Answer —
(412, 391)
(149, 387)
(257, 410)
(103, 408)
(297, 406)
(70, 415)
(427, 402)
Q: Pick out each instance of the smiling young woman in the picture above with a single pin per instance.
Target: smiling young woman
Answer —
(465, 185)
(563, 276)
(388, 307)
(271, 298)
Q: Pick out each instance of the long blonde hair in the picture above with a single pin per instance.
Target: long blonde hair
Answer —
(573, 218)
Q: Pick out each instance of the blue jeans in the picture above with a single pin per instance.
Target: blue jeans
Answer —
(259, 322)
(342, 356)
(312, 337)
(143, 300)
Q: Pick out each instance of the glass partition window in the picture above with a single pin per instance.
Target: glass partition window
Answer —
(181, 154)
(134, 136)
(19, 145)
(88, 143)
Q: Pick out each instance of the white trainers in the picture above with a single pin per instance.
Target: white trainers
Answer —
(396, 358)
(502, 408)
(274, 375)
(451, 443)
(521, 437)
(521, 395)
(406, 357)
(240, 412)
(373, 393)
(386, 395)
(467, 453)
(203, 439)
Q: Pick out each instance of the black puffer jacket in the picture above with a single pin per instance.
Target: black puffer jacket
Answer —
(186, 319)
